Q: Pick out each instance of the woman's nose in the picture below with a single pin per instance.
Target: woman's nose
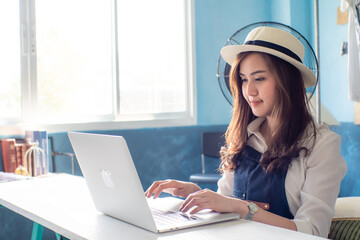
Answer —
(251, 89)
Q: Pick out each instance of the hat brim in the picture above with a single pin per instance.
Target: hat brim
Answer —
(229, 54)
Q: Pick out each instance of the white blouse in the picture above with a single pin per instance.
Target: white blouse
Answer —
(312, 183)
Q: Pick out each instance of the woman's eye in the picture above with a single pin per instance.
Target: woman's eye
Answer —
(259, 79)
(243, 79)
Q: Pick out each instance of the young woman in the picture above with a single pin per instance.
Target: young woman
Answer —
(279, 167)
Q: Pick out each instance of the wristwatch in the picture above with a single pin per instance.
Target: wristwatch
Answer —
(253, 208)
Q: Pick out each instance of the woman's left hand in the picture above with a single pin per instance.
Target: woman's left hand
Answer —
(207, 199)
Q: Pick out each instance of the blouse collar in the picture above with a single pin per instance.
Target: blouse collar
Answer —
(254, 126)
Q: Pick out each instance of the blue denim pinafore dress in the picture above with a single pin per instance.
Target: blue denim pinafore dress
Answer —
(252, 183)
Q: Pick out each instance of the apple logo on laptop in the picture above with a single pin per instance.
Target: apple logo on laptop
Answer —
(106, 176)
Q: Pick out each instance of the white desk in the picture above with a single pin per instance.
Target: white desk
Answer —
(63, 204)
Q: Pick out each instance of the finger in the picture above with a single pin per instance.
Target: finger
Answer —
(150, 191)
(165, 187)
(195, 199)
(179, 193)
(197, 194)
(158, 191)
(186, 201)
(198, 209)
(194, 202)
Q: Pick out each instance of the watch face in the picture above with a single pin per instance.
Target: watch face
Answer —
(253, 207)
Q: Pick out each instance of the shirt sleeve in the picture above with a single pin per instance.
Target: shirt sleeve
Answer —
(325, 168)
(226, 184)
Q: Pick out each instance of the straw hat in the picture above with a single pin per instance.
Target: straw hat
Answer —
(276, 42)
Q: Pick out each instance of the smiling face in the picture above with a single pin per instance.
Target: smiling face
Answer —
(258, 85)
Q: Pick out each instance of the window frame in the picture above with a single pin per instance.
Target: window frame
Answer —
(108, 122)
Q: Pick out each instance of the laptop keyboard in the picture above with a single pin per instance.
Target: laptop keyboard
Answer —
(162, 217)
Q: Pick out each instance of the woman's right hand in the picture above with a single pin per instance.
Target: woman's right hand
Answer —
(174, 187)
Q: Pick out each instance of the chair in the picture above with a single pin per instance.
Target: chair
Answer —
(346, 222)
(211, 144)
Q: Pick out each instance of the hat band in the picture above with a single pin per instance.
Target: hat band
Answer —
(274, 46)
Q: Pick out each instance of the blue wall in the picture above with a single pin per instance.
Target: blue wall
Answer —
(334, 92)
(333, 68)
(215, 22)
(350, 150)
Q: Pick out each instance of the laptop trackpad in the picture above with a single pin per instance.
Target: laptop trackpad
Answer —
(167, 204)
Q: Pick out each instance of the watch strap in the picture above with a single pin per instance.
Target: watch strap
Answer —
(262, 205)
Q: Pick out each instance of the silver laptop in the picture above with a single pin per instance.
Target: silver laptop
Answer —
(116, 190)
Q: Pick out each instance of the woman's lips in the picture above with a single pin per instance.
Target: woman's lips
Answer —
(254, 103)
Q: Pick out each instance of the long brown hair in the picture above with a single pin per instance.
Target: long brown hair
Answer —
(291, 112)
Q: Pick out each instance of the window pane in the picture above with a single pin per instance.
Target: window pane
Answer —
(74, 70)
(10, 90)
(152, 56)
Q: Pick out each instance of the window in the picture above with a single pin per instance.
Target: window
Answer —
(151, 56)
(97, 61)
(74, 68)
(10, 90)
